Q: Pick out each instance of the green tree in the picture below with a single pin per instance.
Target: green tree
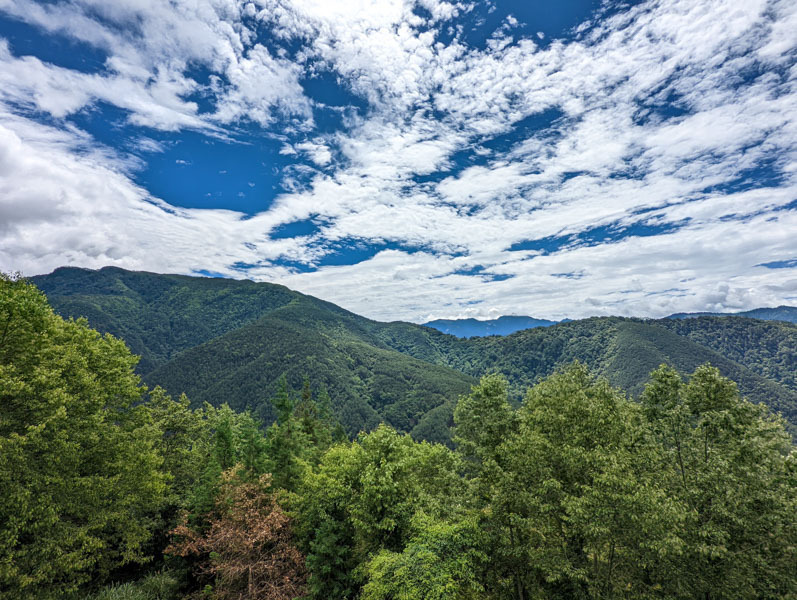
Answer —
(731, 464)
(304, 430)
(583, 490)
(183, 441)
(568, 489)
(442, 561)
(325, 531)
(332, 424)
(287, 444)
(223, 439)
(79, 468)
(363, 497)
(484, 419)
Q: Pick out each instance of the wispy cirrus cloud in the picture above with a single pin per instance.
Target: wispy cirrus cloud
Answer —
(652, 151)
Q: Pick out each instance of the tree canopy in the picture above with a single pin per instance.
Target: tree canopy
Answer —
(577, 491)
(81, 478)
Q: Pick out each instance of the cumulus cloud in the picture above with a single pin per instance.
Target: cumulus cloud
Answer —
(481, 176)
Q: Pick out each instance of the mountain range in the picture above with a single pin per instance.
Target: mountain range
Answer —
(505, 325)
(229, 341)
(778, 313)
(466, 328)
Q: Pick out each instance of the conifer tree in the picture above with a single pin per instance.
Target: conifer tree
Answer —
(247, 549)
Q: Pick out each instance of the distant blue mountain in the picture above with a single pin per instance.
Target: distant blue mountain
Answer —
(466, 328)
(780, 313)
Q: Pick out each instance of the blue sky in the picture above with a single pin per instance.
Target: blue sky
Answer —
(411, 159)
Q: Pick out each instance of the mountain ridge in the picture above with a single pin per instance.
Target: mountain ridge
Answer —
(508, 324)
(776, 313)
(222, 340)
(503, 325)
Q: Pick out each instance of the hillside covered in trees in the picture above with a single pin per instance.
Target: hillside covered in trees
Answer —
(226, 341)
(112, 490)
(778, 313)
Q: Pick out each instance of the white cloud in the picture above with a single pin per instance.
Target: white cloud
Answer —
(150, 47)
(419, 166)
(62, 205)
(318, 153)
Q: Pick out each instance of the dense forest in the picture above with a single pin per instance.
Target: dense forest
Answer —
(114, 490)
(778, 313)
(224, 341)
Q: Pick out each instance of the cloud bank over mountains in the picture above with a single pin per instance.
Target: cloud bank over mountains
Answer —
(643, 162)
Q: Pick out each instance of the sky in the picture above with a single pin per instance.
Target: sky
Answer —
(409, 159)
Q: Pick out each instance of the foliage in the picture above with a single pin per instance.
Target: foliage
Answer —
(248, 546)
(227, 439)
(484, 419)
(80, 473)
(768, 348)
(363, 498)
(580, 491)
(575, 491)
(159, 315)
(731, 466)
(156, 586)
(224, 341)
(443, 561)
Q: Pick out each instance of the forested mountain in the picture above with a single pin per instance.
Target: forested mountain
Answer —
(474, 328)
(768, 348)
(159, 315)
(506, 325)
(624, 351)
(221, 340)
(112, 491)
(226, 341)
(779, 313)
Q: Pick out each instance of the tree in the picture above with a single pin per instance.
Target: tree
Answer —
(568, 494)
(304, 430)
(224, 439)
(362, 499)
(335, 430)
(325, 531)
(287, 443)
(183, 441)
(442, 561)
(248, 548)
(79, 472)
(732, 466)
(484, 419)
(583, 492)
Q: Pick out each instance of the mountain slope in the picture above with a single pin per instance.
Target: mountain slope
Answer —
(621, 349)
(158, 316)
(220, 340)
(368, 383)
(768, 348)
(229, 341)
(779, 313)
